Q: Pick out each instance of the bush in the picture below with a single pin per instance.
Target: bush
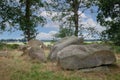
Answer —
(8, 46)
(2, 45)
(13, 46)
(116, 49)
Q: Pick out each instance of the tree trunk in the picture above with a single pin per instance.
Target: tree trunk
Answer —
(76, 16)
(76, 24)
(27, 16)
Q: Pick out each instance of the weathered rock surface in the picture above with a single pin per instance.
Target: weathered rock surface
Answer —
(37, 53)
(62, 44)
(36, 43)
(85, 56)
(34, 49)
(24, 49)
(96, 69)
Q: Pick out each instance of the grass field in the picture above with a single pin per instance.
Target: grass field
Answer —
(17, 67)
(21, 43)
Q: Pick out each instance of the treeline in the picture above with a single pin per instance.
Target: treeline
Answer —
(12, 40)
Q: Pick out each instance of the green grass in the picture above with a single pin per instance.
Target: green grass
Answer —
(113, 77)
(35, 73)
(116, 49)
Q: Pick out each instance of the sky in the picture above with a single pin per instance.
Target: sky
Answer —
(47, 32)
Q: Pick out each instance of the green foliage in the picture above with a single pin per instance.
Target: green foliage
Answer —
(64, 32)
(23, 15)
(30, 19)
(116, 49)
(109, 9)
(67, 13)
(6, 15)
(2, 45)
(13, 46)
(8, 46)
(113, 77)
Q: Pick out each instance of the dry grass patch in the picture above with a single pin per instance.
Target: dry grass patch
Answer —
(17, 67)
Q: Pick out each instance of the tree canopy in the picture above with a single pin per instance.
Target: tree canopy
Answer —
(8, 14)
(30, 17)
(69, 13)
(24, 15)
(109, 16)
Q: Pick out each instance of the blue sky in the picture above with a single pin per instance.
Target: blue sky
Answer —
(18, 34)
(51, 28)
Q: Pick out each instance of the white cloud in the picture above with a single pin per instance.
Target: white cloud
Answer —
(52, 24)
(108, 19)
(93, 24)
(48, 1)
(21, 37)
(48, 14)
(55, 24)
(46, 36)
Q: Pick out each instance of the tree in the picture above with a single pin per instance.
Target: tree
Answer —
(30, 17)
(69, 12)
(109, 16)
(6, 15)
(2, 27)
(24, 15)
(63, 32)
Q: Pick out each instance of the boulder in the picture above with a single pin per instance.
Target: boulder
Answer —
(36, 43)
(62, 44)
(24, 49)
(85, 56)
(80, 40)
(61, 40)
(34, 49)
(37, 53)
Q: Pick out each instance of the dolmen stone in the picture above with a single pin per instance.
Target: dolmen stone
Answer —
(62, 44)
(36, 43)
(76, 57)
(35, 50)
(37, 53)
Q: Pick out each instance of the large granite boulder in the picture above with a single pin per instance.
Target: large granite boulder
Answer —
(62, 44)
(37, 53)
(85, 56)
